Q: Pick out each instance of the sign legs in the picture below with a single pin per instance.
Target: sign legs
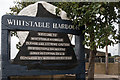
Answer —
(79, 50)
(5, 78)
(80, 76)
(5, 55)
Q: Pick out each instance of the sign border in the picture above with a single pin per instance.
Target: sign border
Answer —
(8, 69)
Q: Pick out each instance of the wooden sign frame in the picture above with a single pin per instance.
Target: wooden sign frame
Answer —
(8, 69)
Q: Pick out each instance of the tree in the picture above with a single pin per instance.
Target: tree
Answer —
(18, 7)
(97, 18)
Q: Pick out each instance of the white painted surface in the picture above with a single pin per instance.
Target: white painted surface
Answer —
(31, 10)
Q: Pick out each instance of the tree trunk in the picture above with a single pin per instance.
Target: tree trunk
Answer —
(91, 65)
(106, 60)
(92, 54)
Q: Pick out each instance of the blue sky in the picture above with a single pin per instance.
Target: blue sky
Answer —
(4, 8)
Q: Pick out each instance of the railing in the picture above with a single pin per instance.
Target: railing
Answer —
(102, 60)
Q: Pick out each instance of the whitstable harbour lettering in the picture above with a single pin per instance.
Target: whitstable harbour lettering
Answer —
(28, 23)
(41, 24)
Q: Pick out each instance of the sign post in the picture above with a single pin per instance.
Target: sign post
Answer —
(47, 49)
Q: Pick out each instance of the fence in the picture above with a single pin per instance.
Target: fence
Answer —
(102, 60)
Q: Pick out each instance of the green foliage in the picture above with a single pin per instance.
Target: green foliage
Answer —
(98, 19)
(57, 11)
(18, 7)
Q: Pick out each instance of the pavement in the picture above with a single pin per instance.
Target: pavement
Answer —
(98, 77)
(66, 77)
(106, 77)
